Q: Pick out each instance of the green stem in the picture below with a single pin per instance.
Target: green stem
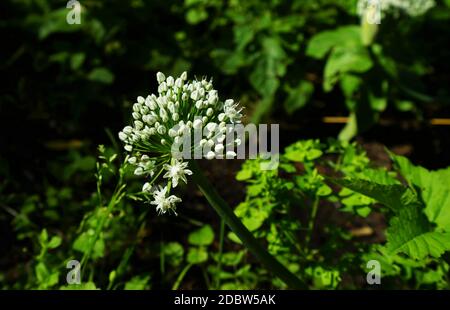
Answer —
(312, 220)
(225, 212)
(180, 278)
(219, 261)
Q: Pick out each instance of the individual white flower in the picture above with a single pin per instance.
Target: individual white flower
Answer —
(163, 203)
(176, 171)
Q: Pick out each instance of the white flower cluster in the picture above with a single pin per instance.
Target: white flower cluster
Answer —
(163, 120)
(410, 7)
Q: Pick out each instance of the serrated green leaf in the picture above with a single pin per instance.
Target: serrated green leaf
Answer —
(435, 189)
(409, 230)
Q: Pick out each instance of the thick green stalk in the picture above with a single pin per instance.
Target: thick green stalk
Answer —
(225, 212)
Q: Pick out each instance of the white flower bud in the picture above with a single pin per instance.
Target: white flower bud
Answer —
(221, 117)
(221, 139)
(171, 107)
(128, 148)
(139, 171)
(184, 76)
(136, 115)
(211, 127)
(210, 155)
(170, 81)
(203, 142)
(162, 88)
(122, 136)
(175, 117)
(181, 129)
(229, 102)
(162, 113)
(210, 143)
(199, 104)
(204, 119)
(128, 129)
(160, 77)
(184, 97)
(201, 92)
(151, 119)
(194, 95)
(208, 86)
(238, 141)
(218, 148)
(161, 130)
(132, 160)
(136, 107)
(179, 83)
(145, 158)
(152, 131)
(163, 141)
(198, 124)
(172, 133)
(149, 102)
(144, 110)
(139, 125)
(209, 112)
(147, 187)
(230, 155)
(140, 99)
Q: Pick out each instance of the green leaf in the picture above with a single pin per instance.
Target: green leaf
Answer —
(345, 59)
(203, 236)
(298, 97)
(41, 272)
(244, 174)
(83, 242)
(322, 43)
(409, 230)
(77, 60)
(197, 255)
(173, 252)
(435, 189)
(138, 283)
(196, 15)
(252, 216)
(43, 237)
(55, 242)
(270, 66)
(101, 75)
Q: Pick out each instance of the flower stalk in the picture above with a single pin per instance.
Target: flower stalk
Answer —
(227, 214)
